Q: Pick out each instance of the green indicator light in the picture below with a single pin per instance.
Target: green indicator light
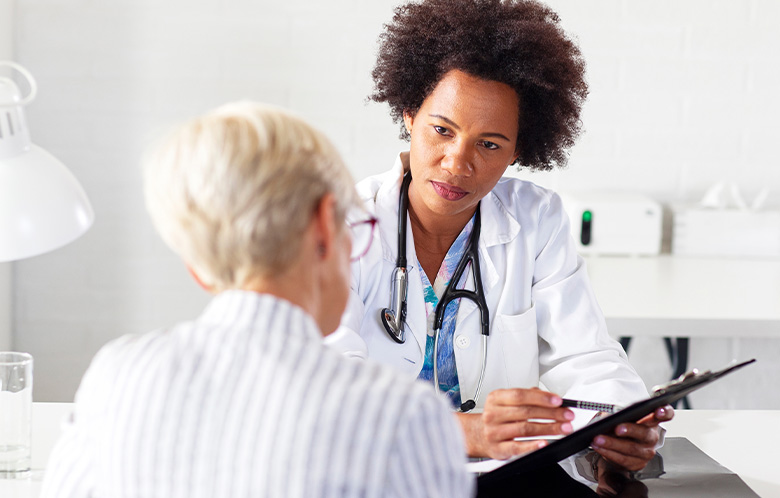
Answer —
(586, 216)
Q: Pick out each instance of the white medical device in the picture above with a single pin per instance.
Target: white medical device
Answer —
(614, 223)
(699, 231)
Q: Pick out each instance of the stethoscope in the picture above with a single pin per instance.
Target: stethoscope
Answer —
(393, 318)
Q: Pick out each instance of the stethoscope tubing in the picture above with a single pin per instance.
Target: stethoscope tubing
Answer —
(470, 255)
(394, 319)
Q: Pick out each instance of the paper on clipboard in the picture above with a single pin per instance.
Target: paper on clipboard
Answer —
(581, 439)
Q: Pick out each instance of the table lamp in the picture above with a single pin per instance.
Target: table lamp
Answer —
(42, 205)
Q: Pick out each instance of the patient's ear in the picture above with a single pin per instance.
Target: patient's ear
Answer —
(324, 222)
(195, 276)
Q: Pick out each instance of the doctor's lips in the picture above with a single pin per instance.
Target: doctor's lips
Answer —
(449, 192)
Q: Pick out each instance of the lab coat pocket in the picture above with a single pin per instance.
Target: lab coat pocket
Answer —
(520, 348)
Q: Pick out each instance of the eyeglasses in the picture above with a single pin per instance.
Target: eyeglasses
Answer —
(362, 232)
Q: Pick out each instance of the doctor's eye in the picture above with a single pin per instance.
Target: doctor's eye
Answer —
(490, 145)
(441, 130)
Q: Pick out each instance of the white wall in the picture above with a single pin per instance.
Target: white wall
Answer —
(6, 53)
(683, 95)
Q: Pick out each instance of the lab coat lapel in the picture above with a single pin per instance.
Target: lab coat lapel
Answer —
(387, 212)
(416, 319)
(498, 227)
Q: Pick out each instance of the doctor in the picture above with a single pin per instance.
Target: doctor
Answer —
(479, 85)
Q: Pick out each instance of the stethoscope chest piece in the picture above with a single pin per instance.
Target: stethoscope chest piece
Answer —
(395, 331)
(394, 318)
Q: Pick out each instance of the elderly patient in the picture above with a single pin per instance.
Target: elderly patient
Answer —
(245, 400)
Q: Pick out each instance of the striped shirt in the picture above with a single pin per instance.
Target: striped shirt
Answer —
(247, 401)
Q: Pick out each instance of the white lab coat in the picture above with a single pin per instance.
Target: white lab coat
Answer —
(545, 323)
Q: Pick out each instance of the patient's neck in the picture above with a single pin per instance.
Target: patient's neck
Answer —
(294, 285)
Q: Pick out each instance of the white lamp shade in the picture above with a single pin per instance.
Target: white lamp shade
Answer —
(42, 205)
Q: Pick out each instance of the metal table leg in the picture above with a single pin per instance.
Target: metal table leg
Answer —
(677, 349)
(678, 355)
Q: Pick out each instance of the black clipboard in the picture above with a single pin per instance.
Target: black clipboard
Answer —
(581, 439)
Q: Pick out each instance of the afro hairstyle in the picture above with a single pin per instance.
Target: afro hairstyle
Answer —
(516, 42)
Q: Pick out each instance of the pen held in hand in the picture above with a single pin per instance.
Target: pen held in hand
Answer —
(590, 405)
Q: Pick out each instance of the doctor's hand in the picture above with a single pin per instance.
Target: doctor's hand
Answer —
(514, 413)
(632, 446)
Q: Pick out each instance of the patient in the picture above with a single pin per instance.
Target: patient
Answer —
(245, 400)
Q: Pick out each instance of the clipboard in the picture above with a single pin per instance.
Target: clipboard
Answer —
(581, 439)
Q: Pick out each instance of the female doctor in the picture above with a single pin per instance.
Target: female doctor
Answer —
(478, 85)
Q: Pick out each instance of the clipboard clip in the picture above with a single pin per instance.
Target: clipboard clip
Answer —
(690, 380)
(681, 382)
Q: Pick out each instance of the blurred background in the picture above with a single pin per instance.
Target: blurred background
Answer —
(683, 95)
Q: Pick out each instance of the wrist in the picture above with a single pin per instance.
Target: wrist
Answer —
(471, 424)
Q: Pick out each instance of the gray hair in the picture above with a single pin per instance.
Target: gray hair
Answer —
(233, 191)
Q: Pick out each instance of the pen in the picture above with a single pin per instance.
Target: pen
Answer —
(590, 405)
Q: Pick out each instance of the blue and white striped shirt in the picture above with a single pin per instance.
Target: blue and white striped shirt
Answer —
(247, 401)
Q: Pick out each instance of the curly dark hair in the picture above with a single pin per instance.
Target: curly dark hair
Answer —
(516, 42)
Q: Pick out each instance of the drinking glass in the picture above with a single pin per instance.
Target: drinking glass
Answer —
(16, 384)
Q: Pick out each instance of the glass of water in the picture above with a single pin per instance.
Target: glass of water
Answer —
(16, 384)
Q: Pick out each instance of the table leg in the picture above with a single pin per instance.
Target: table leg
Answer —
(677, 349)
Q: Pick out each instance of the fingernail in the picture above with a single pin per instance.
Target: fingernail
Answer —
(621, 429)
(556, 400)
(568, 415)
(541, 444)
(566, 428)
(599, 441)
(661, 412)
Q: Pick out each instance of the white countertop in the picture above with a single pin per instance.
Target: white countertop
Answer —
(677, 296)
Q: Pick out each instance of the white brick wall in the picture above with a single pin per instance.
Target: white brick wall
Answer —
(683, 94)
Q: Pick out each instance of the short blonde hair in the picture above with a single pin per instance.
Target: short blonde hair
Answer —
(233, 191)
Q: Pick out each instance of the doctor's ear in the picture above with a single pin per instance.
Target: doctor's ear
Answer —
(408, 121)
(518, 151)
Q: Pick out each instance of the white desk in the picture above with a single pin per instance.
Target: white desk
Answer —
(677, 296)
(746, 442)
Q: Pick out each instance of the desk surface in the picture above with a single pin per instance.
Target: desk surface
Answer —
(744, 441)
(688, 297)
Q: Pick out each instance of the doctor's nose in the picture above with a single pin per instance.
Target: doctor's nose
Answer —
(457, 161)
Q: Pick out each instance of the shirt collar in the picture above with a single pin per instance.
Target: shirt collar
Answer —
(499, 226)
(242, 309)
